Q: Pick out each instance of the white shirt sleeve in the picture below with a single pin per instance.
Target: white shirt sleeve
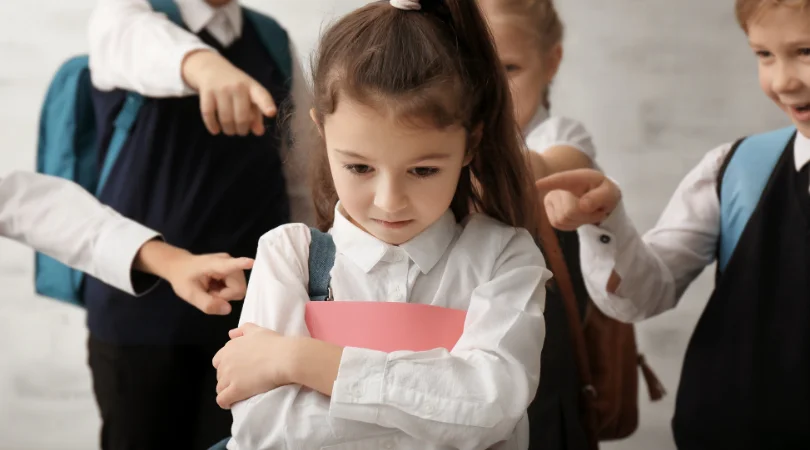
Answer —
(134, 48)
(475, 395)
(304, 142)
(656, 269)
(556, 131)
(62, 220)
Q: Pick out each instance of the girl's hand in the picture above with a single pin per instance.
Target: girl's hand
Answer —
(578, 197)
(255, 361)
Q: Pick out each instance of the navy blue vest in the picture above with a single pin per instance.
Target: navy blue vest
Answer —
(746, 376)
(204, 193)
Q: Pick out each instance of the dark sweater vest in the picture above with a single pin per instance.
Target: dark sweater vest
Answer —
(746, 375)
(203, 193)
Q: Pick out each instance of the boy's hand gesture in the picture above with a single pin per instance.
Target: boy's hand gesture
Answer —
(230, 100)
(207, 282)
(578, 197)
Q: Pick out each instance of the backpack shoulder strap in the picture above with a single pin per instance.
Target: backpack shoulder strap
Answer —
(321, 260)
(168, 7)
(745, 175)
(275, 40)
(553, 253)
(132, 104)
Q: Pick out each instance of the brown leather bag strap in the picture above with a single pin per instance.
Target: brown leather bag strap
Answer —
(556, 260)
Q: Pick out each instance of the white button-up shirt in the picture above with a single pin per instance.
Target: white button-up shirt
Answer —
(134, 48)
(60, 219)
(656, 269)
(473, 397)
(544, 132)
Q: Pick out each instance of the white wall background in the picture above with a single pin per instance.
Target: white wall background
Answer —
(657, 82)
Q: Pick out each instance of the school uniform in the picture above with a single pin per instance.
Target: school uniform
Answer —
(554, 415)
(60, 219)
(151, 357)
(474, 397)
(744, 379)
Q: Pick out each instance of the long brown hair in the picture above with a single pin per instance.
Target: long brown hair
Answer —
(433, 67)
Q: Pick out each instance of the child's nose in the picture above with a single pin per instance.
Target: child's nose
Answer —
(390, 196)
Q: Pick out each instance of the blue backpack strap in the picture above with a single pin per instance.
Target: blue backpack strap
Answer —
(745, 177)
(221, 445)
(132, 104)
(321, 260)
(275, 41)
(122, 126)
(168, 7)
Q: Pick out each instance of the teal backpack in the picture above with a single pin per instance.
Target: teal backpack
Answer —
(741, 183)
(67, 145)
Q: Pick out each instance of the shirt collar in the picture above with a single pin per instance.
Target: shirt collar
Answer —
(366, 251)
(801, 151)
(198, 14)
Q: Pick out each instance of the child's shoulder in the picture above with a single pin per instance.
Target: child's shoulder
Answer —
(557, 131)
(482, 231)
(291, 235)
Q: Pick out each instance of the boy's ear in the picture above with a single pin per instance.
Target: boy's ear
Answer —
(553, 61)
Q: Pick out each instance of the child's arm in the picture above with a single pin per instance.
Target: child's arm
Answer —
(629, 277)
(207, 282)
(137, 49)
(276, 302)
(59, 218)
(558, 145)
(472, 397)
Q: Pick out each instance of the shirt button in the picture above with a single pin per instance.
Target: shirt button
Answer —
(388, 444)
(605, 239)
(428, 409)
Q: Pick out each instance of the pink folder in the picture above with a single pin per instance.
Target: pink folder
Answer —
(385, 326)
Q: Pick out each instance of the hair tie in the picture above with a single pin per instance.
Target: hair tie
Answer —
(406, 5)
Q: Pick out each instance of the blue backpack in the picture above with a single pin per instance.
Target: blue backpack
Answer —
(742, 182)
(67, 145)
(321, 259)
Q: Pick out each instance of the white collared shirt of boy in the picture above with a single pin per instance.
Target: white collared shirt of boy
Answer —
(473, 397)
(62, 220)
(657, 268)
(134, 48)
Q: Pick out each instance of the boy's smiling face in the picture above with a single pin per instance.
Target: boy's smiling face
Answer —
(780, 37)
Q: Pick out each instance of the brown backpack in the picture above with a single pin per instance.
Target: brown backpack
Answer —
(606, 354)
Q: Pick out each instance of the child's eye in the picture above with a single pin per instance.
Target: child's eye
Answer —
(511, 68)
(804, 51)
(763, 54)
(358, 169)
(424, 172)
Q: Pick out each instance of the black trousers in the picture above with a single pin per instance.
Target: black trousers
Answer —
(157, 397)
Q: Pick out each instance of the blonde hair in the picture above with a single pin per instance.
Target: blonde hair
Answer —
(542, 16)
(748, 10)
(542, 20)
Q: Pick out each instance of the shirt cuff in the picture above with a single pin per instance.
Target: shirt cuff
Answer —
(115, 254)
(603, 246)
(358, 389)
